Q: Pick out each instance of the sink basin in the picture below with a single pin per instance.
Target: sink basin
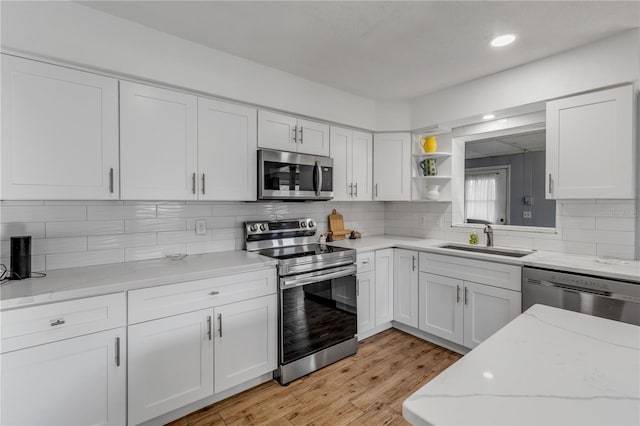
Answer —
(488, 250)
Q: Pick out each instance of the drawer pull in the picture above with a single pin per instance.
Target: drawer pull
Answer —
(58, 321)
(214, 293)
(209, 327)
(365, 262)
(117, 352)
(220, 323)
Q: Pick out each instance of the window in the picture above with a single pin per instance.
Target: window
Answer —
(486, 195)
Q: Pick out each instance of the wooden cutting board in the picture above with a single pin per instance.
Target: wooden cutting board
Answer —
(336, 226)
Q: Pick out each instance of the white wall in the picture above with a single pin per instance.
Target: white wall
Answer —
(70, 32)
(606, 62)
(393, 116)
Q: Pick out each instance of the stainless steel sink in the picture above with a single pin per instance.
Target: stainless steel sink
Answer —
(488, 250)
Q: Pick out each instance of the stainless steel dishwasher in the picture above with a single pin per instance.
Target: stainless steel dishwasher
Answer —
(602, 297)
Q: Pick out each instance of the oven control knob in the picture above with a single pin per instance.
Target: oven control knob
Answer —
(253, 228)
(311, 224)
(263, 227)
(303, 224)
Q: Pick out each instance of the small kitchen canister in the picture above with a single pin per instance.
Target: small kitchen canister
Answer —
(429, 167)
(433, 192)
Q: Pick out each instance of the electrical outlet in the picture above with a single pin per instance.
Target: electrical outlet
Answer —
(526, 215)
(423, 220)
(201, 227)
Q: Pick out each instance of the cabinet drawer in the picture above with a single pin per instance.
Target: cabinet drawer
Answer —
(365, 261)
(173, 299)
(490, 273)
(56, 321)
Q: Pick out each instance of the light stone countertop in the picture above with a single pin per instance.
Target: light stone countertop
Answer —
(73, 283)
(628, 270)
(547, 367)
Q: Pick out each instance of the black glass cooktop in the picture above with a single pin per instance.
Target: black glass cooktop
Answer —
(300, 251)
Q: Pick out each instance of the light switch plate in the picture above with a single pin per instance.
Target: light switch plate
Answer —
(201, 227)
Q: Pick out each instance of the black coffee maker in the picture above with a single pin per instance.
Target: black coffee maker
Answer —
(20, 258)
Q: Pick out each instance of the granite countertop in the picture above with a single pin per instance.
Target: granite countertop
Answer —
(628, 270)
(72, 283)
(547, 367)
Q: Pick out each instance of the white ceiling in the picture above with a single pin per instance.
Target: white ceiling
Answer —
(506, 145)
(384, 50)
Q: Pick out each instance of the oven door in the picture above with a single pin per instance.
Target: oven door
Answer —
(288, 175)
(317, 310)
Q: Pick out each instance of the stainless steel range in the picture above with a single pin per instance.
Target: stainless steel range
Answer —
(317, 289)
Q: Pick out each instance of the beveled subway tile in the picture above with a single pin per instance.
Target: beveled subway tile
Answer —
(173, 237)
(103, 242)
(615, 223)
(213, 222)
(42, 213)
(93, 227)
(38, 263)
(154, 252)
(88, 258)
(184, 210)
(617, 251)
(136, 211)
(234, 209)
(211, 246)
(14, 229)
(571, 247)
(133, 226)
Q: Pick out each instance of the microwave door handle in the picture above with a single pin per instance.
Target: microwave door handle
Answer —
(318, 179)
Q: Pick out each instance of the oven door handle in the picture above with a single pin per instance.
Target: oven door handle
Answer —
(318, 276)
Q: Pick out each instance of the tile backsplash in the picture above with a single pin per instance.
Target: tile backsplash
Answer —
(68, 234)
(80, 233)
(604, 228)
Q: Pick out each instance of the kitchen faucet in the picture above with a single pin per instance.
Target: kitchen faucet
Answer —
(489, 231)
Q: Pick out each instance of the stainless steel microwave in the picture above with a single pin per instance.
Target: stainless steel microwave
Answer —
(292, 176)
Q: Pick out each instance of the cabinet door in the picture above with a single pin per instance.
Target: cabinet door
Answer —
(158, 143)
(59, 132)
(362, 166)
(365, 286)
(384, 286)
(392, 167)
(486, 310)
(313, 138)
(227, 144)
(590, 145)
(170, 364)
(405, 287)
(341, 150)
(79, 381)
(441, 307)
(245, 341)
(277, 131)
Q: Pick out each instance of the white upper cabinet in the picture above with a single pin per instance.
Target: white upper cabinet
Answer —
(158, 143)
(392, 167)
(59, 132)
(286, 133)
(227, 144)
(590, 145)
(352, 154)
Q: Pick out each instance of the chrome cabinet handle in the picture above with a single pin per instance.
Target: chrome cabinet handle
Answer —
(214, 293)
(56, 322)
(193, 183)
(203, 181)
(357, 287)
(356, 188)
(550, 184)
(376, 190)
(457, 294)
(209, 333)
(295, 134)
(301, 134)
(117, 352)
(220, 325)
(466, 294)
(413, 263)
(365, 262)
(350, 190)
(111, 180)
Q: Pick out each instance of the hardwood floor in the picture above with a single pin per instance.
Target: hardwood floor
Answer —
(365, 389)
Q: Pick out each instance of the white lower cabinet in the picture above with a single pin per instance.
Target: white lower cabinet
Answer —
(245, 341)
(405, 287)
(365, 292)
(487, 309)
(78, 381)
(384, 286)
(441, 310)
(170, 364)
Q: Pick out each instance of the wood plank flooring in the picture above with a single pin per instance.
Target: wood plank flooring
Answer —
(365, 389)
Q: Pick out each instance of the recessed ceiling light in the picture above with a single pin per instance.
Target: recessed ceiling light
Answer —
(488, 116)
(503, 40)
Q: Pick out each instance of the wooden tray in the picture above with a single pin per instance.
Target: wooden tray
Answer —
(336, 226)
